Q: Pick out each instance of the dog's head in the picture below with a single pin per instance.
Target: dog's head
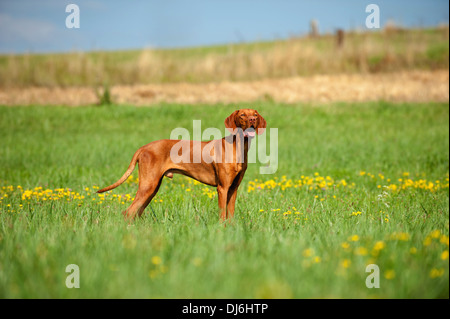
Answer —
(248, 120)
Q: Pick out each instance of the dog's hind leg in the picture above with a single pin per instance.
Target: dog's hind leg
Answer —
(143, 197)
(150, 179)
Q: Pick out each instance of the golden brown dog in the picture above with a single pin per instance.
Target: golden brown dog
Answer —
(222, 164)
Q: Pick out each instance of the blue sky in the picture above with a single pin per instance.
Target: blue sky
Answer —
(39, 26)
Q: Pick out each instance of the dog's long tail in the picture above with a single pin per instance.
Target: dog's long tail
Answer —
(127, 174)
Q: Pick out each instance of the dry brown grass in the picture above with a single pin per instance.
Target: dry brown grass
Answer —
(391, 65)
(362, 53)
(405, 86)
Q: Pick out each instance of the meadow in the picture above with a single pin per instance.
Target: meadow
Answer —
(389, 50)
(357, 184)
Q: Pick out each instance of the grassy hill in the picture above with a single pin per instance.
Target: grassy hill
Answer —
(370, 52)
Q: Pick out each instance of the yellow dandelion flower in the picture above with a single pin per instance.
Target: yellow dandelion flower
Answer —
(444, 240)
(197, 262)
(361, 251)
(401, 236)
(389, 274)
(379, 245)
(427, 241)
(435, 273)
(444, 255)
(308, 252)
(435, 234)
(153, 273)
(156, 260)
(345, 263)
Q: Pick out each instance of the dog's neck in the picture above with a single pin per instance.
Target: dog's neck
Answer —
(241, 145)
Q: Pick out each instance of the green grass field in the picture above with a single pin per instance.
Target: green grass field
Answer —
(356, 184)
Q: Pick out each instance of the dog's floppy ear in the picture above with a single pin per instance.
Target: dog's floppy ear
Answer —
(230, 121)
(262, 125)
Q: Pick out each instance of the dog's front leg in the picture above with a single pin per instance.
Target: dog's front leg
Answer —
(232, 193)
(222, 191)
